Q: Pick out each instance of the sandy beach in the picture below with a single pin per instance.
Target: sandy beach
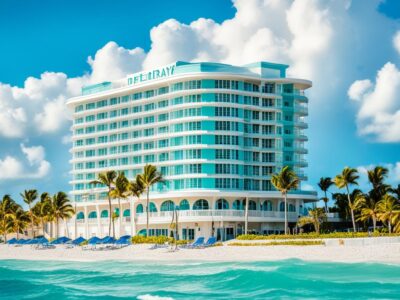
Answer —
(386, 253)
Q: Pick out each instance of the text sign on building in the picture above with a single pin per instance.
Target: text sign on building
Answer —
(150, 75)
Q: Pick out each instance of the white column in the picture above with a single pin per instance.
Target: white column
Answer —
(86, 222)
(246, 216)
(99, 227)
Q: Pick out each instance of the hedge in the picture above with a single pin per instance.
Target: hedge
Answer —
(341, 235)
(284, 243)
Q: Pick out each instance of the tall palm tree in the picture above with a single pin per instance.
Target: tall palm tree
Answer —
(147, 179)
(285, 181)
(7, 206)
(386, 210)
(119, 192)
(396, 192)
(29, 197)
(107, 179)
(377, 175)
(324, 184)
(369, 209)
(42, 209)
(135, 189)
(348, 177)
(61, 208)
(19, 220)
(315, 216)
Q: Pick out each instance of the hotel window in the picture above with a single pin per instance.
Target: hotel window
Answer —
(113, 113)
(137, 147)
(178, 155)
(177, 127)
(102, 127)
(101, 103)
(137, 133)
(113, 137)
(163, 90)
(193, 183)
(149, 132)
(193, 154)
(102, 164)
(124, 136)
(90, 141)
(102, 151)
(163, 103)
(113, 162)
(137, 96)
(90, 118)
(136, 109)
(150, 106)
(256, 156)
(192, 84)
(192, 98)
(163, 129)
(123, 161)
(149, 119)
(268, 116)
(102, 116)
(268, 157)
(78, 121)
(162, 143)
(149, 158)
(148, 145)
(137, 159)
(124, 148)
(177, 101)
(114, 101)
(193, 168)
(136, 122)
(256, 101)
(90, 129)
(90, 165)
(79, 143)
(177, 86)
(268, 102)
(176, 141)
(113, 125)
(79, 108)
(193, 139)
(149, 94)
(268, 88)
(163, 157)
(124, 124)
(163, 117)
(102, 139)
(125, 99)
(90, 153)
(124, 112)
(90, 106)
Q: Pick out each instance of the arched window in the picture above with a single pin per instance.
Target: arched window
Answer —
(142, 232)
(104, 214)
(92, 215)
(267, 205)
(167, 206)
(237, 205)
(292, 208)
(200, 204)
(221, 204)
(80, 216)
(184, 205)
(152, 207)
(282, 206)
(139, 209)
(252, 205)
(127, 213)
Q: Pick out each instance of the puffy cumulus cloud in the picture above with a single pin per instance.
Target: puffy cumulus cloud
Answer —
(379, 104)
(358, 89)
(114, 62)
(32, 166)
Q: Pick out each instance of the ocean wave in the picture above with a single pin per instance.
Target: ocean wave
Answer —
(151, 297)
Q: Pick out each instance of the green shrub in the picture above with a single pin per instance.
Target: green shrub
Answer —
(138, 239)
(313, 235)
(284, 243)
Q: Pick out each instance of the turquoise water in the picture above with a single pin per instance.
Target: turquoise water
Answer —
(292, 279)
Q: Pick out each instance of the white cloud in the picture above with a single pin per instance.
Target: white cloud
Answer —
(36, 167)
(392, 179)
(396, 41)
(358, 89)
(379, 109)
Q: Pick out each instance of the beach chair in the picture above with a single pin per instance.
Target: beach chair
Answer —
(210, 242)
(92, 242)
(196, 244)
(13, 241)
(123, 241)
(74, 243)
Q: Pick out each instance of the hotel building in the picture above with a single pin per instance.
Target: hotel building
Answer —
(216, 132)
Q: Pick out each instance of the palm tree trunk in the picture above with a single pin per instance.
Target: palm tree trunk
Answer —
(120, 216)
(246, 216)
(31, 215)
(326, 203)
(351, 209)
(109, 214)
(57, 228)
(42, 227)
(286, 215)
(374, 222)
(147, 213)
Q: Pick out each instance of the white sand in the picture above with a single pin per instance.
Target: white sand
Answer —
(386, 253)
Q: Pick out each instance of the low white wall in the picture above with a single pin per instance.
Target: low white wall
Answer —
(362, 241)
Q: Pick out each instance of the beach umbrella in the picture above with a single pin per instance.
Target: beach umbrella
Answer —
(78, 241)
(61, 240)
(93, 240)
(42, 240)
(108, 240)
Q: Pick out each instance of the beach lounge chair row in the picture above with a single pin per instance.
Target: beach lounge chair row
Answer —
(107, 243)
(199, 243)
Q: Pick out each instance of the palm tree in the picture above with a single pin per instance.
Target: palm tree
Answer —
(29, 197)
(386, 209)
(119, 192)
(285, 181)
(324, 184)
(19, 220)
(135, 189)
(108, 179)
(7, 206)
(61, 208)
(42, 209)
(396, 193)
(377, 175)
(369, 209)
(315, 216)
(147, 179)
(344, 180)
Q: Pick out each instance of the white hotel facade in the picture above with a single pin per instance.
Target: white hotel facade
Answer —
(216, 132)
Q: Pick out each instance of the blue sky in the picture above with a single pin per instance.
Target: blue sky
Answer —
(340, 45)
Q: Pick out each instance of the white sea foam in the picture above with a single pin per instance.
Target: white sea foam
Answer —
(151, 297)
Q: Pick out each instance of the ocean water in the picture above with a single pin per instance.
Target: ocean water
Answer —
(288, 279)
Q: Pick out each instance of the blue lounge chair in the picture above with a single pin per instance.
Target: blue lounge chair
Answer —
(78, 241)
(93, 240)
(107, 240)
(196, 244)
(13, 241)
(60, 240)
(124, 240)
(210, 242)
